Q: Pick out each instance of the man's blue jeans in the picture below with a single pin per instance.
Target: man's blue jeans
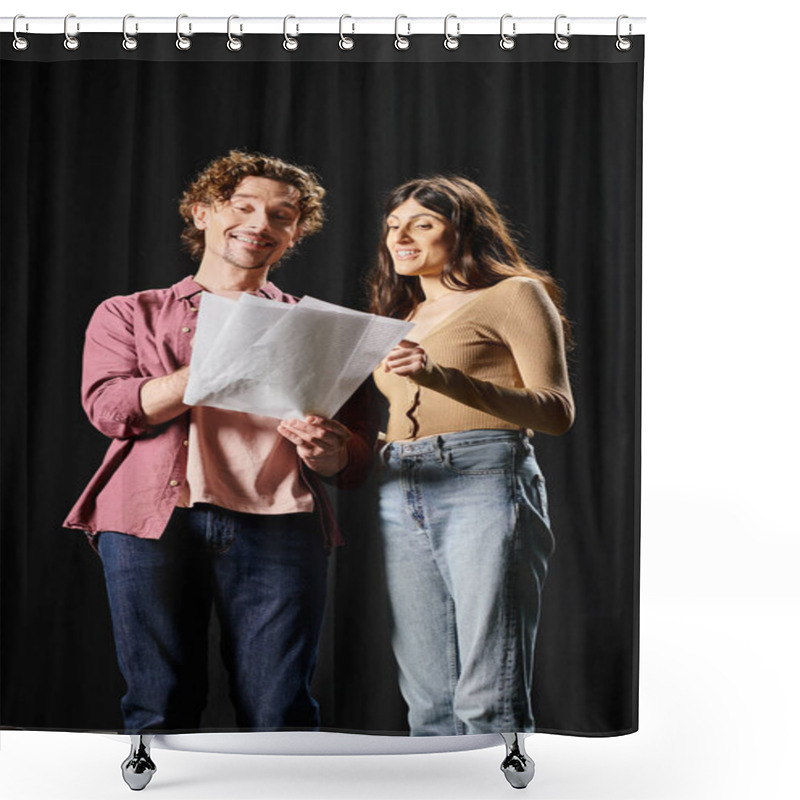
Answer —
(266, 577)
(466, 539)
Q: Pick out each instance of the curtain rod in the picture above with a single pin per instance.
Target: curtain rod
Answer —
(403, 25)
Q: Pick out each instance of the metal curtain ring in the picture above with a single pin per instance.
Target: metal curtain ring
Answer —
(346, 42)
(233, 43)
(401, 42)
(182, 42)
(289, 43)
(129, 42)
(20, 42)
(622, 43)
(71, 42)
(451, 42)
(507, 42)
(561, 42)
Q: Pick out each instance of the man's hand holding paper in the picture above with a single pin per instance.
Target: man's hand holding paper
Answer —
(320, 442)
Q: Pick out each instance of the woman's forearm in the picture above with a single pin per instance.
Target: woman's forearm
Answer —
(546, 410)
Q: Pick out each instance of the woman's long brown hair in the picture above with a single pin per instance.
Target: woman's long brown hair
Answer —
(484, 252)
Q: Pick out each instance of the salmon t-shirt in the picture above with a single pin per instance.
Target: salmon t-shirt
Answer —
(239, 461)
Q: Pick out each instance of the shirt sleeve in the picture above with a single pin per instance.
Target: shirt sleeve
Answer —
(531, 329)
(360, 415)
(111, 377)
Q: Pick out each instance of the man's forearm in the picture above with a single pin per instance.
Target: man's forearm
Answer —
(162, 398)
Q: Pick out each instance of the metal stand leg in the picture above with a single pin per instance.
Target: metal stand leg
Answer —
(138, 768)
(518, 766)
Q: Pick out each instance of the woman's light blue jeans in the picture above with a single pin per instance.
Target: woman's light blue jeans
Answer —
(466, 538)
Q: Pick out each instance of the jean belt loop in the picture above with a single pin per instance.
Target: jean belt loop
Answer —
(440, 449)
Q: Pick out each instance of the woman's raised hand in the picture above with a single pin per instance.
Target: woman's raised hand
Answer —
(407, 359)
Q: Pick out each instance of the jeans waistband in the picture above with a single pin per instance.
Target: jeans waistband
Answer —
(431, 445)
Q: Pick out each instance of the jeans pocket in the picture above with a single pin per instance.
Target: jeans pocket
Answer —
(531, 486)
(540, 492)
(480, 458)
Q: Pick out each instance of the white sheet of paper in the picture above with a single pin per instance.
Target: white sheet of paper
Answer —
(284, 361)
(225, 330)
(378, 336)
(214, 311)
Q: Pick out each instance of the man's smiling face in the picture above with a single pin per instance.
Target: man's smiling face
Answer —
(254, 227)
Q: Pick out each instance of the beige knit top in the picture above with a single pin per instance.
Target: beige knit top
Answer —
(496, 362)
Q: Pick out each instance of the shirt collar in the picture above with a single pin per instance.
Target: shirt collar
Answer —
(188, 287)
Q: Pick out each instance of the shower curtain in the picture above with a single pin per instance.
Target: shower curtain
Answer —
(98, 144)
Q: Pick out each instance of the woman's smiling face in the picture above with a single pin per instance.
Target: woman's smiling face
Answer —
(419, 240)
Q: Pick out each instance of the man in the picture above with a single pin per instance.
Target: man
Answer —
(194, 507)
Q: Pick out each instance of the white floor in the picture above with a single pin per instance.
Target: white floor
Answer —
(720, 692)
(720, 696)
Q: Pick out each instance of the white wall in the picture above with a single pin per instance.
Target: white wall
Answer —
(720, 436)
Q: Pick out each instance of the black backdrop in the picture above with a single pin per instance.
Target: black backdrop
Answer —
(96, 148)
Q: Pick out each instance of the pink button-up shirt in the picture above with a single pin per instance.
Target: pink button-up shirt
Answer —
(131, 340)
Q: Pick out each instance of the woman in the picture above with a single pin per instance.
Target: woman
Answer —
(463, 505)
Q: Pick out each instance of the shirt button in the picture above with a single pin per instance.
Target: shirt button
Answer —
(185, 442)
(173, 483)
(192, 308)
(186, 330)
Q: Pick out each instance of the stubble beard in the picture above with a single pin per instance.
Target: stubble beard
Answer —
(231, 258)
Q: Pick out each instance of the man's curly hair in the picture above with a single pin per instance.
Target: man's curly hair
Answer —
(218, 181)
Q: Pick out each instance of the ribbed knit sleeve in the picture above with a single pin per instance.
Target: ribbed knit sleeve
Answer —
(527, 321)
(496, 362)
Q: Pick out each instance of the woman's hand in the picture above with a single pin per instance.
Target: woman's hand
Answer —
(321, 443)
(407, 359)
